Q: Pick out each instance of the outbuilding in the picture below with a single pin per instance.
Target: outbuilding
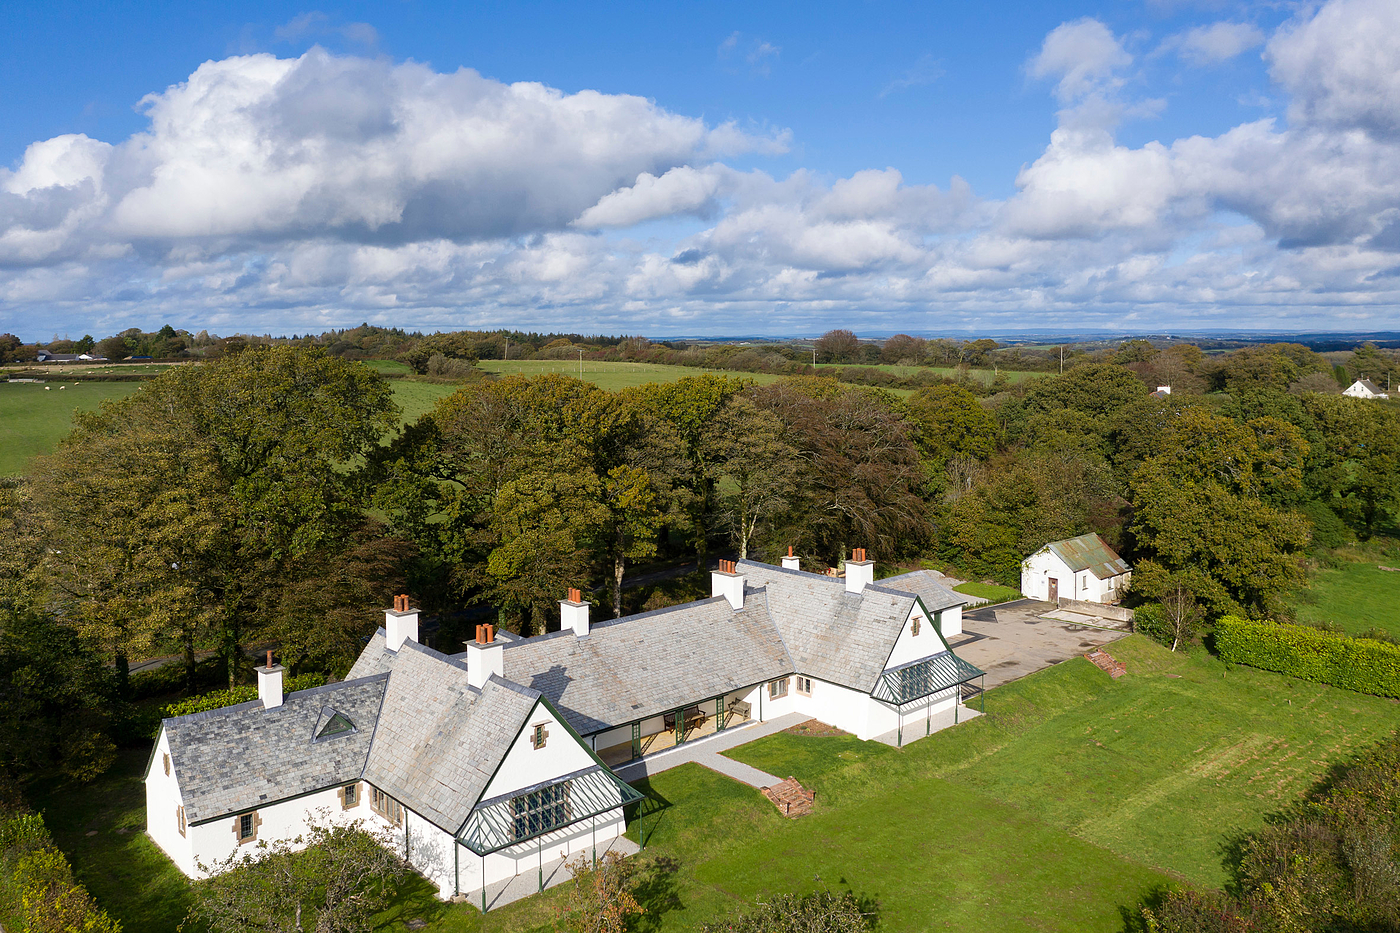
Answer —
(1364, 388)
(1083, 568)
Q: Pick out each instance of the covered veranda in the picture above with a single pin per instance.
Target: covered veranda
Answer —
(919, 687)
(676, 727)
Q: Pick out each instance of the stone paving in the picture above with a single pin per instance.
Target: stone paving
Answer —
(553, 871)
(1011, 640)
(936, 723)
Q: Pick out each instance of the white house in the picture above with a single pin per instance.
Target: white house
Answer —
(496, 759)
(1084, 568)
(1364, 388)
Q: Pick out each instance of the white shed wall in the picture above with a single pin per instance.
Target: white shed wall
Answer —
(162, 800)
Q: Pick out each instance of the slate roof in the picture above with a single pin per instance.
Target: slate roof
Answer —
(840, 637)
(652, 663)
(1370, 386)
(376, 658)
(1089, 552)
(924, 584)
(439, 740)
(243, 757)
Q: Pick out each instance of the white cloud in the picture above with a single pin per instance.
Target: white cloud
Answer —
(1083, 56)
(925, 71)
(1342, 66)
(1215, 43)
(682, 190)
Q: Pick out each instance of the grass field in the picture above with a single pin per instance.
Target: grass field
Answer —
(612, 375)
(1357, 595)
(991, 592)
(1071, 800)
(1164, 767)
(417, 398)
(34, 417)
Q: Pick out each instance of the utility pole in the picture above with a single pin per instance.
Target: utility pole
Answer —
(1062, 359)
(580, 364)
(507, 356)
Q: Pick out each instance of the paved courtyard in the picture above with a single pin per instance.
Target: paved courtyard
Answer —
(1014, 639)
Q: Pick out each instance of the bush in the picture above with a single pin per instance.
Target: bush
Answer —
(819, 912)
(1329, 531)
(240, 694)
(1362, 664)
(37, 890)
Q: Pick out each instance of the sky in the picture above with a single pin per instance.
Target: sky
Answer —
(700, 168)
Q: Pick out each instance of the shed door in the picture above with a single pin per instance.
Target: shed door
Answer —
(1054, 590)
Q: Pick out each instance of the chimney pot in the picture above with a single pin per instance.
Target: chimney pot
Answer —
(270, 684)
(791, 561)
(860, 572)
(400, 624)
(573, 613)
(728, 583)
(485, 657)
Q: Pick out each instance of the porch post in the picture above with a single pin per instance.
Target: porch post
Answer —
(540, 853)
(483, 884)
(984, 694)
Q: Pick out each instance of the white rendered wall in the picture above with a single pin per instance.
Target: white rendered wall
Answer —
(162, 800)
(525, 766)
(526, 857)
(838, 706)
(910, 647)
(1036, 572)
(216, 840)
(950, 620)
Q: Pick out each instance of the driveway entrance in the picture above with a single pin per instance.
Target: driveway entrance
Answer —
(1014, 639)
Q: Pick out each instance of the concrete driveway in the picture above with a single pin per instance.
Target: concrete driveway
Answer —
(1014, 639)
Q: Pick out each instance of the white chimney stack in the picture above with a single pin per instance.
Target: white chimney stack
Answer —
(791, 561)
(485, 656)
(400, 624)
(270, 684)
(727, 583)
(573, 613)
(860, 572)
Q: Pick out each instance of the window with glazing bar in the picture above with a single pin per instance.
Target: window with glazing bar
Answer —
(540, 810)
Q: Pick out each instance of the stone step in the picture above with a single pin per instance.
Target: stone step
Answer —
(791, 799)
(1106, 663)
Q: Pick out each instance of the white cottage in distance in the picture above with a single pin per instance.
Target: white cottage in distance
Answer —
(493, 760)
(1083, 568)
(1365, 388)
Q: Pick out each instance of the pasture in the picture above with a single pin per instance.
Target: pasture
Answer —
(1355, 593)
(984, 376)
(34, 417)
(612, 376)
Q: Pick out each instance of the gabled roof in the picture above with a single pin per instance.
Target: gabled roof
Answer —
(840, 637)
(652, 663)
(934, 595)
(243, 757)
(1089, 552)
(1369, 386)
(439, 740)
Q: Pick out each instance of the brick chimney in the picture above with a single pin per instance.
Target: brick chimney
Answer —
(400, 624)
(728, 583)
(791, 561)
(485, 656)
(270, 684)
(860, 572)
(573, 613)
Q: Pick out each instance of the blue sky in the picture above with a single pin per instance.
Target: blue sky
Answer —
(700, 168)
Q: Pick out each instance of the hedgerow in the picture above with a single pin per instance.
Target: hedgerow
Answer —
(1364, 665)
(235, 695)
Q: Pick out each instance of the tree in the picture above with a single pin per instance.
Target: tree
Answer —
(345, 875)
(1174, 618)
(602, 898)
(951, 422)
(837, 346)
(754, 468)
(113, 348)
(901, 348)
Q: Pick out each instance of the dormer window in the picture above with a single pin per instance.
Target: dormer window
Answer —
(334, 724)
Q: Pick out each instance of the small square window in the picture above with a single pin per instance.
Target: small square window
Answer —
(245, 827)
(804, 686)
(541, 735)
(778, 688)
(350, 796)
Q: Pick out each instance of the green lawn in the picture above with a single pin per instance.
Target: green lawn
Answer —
(389, 367)
(1162, 767)
(34, 417)
(417, 398)
(1358, 595)
(991, 592)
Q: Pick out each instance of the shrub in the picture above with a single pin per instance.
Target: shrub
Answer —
(240, 694)
(818, 912)
(1365, 665)
(37, 890)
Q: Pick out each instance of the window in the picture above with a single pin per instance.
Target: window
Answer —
(245, 827)
(541, 734)
(804, 686)
(180, 819)
(778, 688)
(349, 796)
(914, 627)
(338, 724)
(1084, 583)
(385, 806)
(540, 811)
(167, 764)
